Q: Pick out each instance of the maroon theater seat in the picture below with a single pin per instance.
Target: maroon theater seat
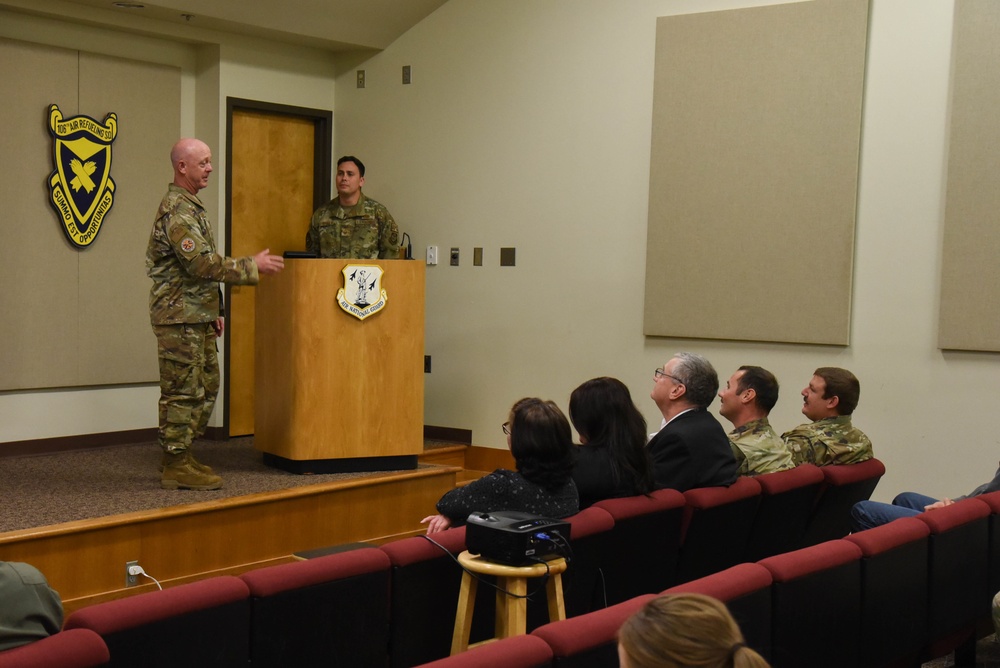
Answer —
(716, 527)
(746, 591)
(893, 592)
(816, 606)
(76, 648)
(589, 641)
(332, 610)
(843, 486)
(957, 575)
(993, 501)
(423, 595)
(583, 590)
(654, 522)
(517, 652)
(786, 503)
(205, 623)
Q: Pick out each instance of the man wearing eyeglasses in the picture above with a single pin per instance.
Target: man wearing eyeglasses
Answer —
(691, 449)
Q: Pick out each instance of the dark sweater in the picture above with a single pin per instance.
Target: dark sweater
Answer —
(508, 490)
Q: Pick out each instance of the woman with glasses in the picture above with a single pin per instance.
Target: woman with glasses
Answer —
(612, 460)
(540, 439)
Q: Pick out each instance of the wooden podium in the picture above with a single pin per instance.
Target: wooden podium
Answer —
(335, 393)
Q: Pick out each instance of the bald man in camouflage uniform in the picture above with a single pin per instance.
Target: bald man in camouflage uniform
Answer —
(185, 311)
(352, 225)
(829, 401)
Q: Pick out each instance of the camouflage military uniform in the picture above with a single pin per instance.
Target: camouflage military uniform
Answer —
(183, 303)
(365, 230)
(828, 441)
(758, 448)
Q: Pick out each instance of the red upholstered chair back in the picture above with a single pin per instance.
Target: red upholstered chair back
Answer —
(746, 591)
(993, 501)
(716, 527)
(331, 610)
(516, 652)
(423, 593)
(590, 538)
(589, 640)
(76, 648)
(957, 573)
(654, 522)
(816, 599)
(893, 592)
(786, 503)
(843, 486)
(211, 615)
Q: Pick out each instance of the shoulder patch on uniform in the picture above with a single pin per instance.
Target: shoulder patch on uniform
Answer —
(187, 244)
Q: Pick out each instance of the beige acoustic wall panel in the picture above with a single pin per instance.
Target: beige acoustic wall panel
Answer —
(75, 318)
(39, 311)
(970, 282)
(118, 342)
(754, 171)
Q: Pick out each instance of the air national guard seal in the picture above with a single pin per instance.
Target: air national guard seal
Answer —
(362, 294)
(81, 187)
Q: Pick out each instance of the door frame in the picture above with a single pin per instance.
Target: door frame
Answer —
(322, 174)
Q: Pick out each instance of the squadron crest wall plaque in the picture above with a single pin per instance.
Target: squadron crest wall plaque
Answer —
(81, 188)
(362, 294)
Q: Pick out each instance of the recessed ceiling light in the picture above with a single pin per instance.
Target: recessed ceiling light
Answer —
(129, 5)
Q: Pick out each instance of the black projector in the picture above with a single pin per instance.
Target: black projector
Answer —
(515, 539)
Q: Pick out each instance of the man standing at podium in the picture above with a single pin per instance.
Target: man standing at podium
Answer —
(185, 310)
(352, 225)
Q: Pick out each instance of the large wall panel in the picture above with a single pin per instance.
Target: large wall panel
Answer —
(73, 317)
(754, 171)
(970, 282)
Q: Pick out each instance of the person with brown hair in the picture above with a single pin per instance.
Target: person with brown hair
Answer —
(829, 401)
(684, 631)
(541, 442)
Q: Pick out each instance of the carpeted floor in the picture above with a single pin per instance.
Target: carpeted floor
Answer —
(42, 490)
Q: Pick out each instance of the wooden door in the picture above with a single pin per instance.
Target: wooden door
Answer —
(272, 171)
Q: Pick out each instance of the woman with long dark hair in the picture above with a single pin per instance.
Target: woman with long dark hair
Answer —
(540, 439)
(612, 460)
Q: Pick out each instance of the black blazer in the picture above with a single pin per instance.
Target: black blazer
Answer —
(693, 451)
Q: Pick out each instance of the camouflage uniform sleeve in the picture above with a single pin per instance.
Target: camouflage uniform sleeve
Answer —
(312, 240)
(741, 459)
(388, 235)
(800, 444)
(198, 257)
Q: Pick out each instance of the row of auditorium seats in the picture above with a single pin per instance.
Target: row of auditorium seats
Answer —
(395, 605)
(897, 595)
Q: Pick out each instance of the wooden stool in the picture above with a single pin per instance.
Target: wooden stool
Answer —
(511, 611)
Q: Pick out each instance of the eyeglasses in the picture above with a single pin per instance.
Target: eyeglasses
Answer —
(506, 428)
(659, 373)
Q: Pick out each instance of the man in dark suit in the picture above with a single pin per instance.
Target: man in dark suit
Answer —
(691, 449)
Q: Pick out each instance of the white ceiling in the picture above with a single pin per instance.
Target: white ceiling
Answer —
(337, 25)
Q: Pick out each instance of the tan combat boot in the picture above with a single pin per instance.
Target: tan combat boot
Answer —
(180, 473)
(204, 468)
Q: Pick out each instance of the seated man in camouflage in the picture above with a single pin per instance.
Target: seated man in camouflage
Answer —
(746, 401)
(829, 400)
(352, 225)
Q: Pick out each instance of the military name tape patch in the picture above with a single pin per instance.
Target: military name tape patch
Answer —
(81, 189)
